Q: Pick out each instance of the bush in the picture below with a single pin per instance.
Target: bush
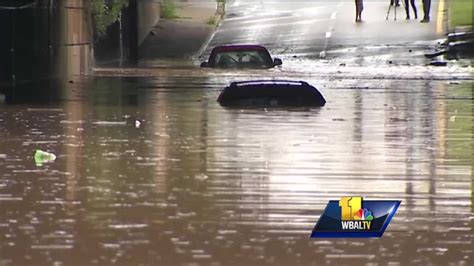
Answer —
(212, 21)
(105, 13)
(168, 9)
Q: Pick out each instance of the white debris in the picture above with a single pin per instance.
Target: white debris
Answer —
(110, 123)
(201, 177)
(137, 123)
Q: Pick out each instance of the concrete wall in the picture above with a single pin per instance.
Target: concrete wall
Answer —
(122, 39)
(42, 45)
(74, 38)
(148, 17)
(51, 40)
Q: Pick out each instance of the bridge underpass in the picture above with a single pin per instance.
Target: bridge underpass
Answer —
(46, 42)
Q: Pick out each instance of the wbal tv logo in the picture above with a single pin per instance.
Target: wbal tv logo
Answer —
(354, 217)
(352, 214)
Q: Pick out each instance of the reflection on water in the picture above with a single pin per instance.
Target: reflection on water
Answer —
(197, 183)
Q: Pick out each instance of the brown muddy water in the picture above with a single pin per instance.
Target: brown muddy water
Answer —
(193, 183)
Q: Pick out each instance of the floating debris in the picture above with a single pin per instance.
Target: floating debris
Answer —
(110, 123)
(201, 177)
(42, 157)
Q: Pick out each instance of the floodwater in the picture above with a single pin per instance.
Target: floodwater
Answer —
(150, 170)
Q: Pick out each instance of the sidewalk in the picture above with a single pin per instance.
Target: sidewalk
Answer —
(182, 37)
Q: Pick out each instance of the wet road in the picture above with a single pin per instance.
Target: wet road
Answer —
(326, 30)
(193, 183)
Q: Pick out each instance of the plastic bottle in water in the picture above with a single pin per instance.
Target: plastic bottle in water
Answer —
(42, 157)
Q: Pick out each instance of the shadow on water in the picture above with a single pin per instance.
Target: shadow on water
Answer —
(153, 170)
(38, 92)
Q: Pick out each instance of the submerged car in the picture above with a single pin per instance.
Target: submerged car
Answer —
(270, 93)
(241, 56)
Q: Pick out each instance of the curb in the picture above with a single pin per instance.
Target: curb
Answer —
(220, 11)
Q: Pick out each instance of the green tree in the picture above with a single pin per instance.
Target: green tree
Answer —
(105, 13)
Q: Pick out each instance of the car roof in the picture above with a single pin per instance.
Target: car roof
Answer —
(238, 47)
(269, 82)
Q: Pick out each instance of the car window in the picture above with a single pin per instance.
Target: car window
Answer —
(254, 59)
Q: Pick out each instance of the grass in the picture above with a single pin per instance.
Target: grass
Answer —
(461, 13)
(168, 10)
(212, 21)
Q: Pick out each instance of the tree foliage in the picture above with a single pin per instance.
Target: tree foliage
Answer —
(105, 13)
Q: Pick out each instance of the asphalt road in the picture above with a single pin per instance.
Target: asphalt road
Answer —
(319, 29)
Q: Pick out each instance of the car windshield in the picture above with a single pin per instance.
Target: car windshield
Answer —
(253, 59)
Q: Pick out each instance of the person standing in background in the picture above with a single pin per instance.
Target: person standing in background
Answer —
(359, 7)
(407, 8)
(426, 11)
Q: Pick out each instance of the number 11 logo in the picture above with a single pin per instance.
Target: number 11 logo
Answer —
(349, 207)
